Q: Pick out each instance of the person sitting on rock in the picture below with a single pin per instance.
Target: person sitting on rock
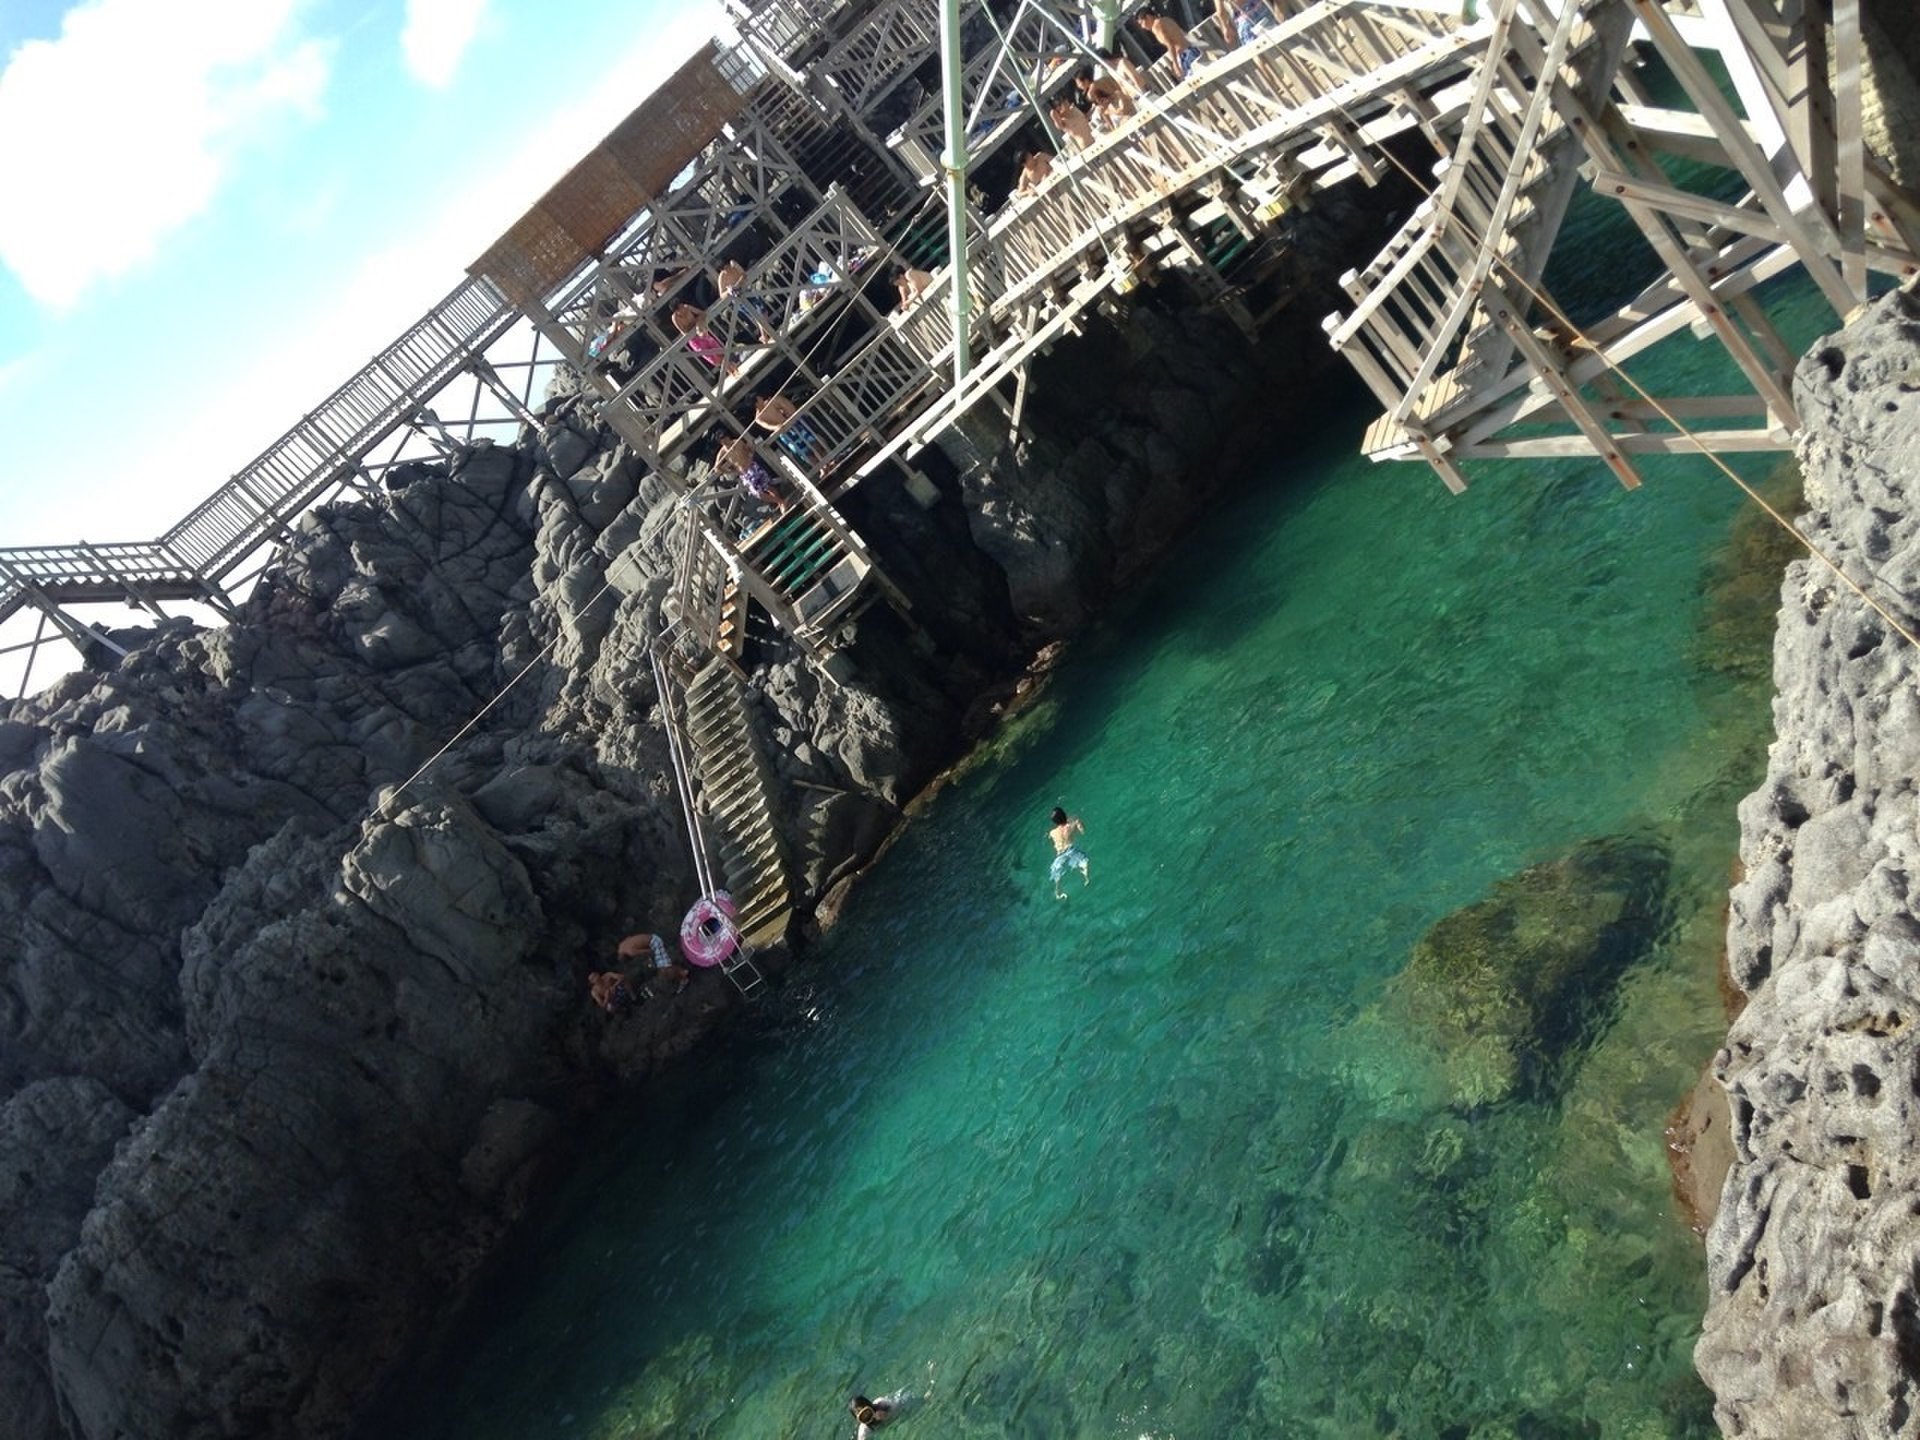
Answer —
(652, 950)
(611, 992)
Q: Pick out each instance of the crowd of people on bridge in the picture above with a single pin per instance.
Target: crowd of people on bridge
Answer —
(1102, 100)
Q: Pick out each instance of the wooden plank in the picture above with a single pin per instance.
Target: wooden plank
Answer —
(1757, 441)
(1509, 315)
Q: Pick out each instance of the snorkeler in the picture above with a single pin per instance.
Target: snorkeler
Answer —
(870, 1415)
(1066, 855)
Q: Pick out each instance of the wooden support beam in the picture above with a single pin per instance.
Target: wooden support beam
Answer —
(1760, 440)
(1851, 178)
(1755, 166)
(1508, 315)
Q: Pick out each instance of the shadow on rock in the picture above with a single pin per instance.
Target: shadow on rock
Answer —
(1512, 987)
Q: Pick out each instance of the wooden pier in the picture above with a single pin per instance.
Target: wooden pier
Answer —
(717, 270)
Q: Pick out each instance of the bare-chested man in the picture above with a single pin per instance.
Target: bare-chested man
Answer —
(1104, 97)
(1120, 65)
(731, 277)
(911, 284)
(1241, 21)
(1063, 828)
(1173, 38)
(779, 415)
(1035, 167)
(1071, 121)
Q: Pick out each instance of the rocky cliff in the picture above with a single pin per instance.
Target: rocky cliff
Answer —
(1812, 1329)
(295, 915)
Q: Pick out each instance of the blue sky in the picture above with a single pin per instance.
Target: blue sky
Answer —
(214, 211)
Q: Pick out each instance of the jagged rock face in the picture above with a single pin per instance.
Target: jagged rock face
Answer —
(296, 914)
(284, 1024)
(1813, 1317)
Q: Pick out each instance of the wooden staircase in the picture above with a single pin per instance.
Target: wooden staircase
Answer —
(734, 786)
(804, 565)
(1442, 327)
(833, 152)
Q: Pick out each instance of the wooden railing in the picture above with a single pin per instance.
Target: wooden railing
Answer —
(1307, 80)
(256, 505)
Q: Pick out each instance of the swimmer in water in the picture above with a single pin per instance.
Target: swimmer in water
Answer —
(870, 1415)
(1066, 855)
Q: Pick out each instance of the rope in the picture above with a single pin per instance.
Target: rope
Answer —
(1581, 340)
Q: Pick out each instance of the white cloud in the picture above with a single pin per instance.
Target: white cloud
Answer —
(12, 370)
(436, 35)
(393, 286)
(189, 443)
(121, 131)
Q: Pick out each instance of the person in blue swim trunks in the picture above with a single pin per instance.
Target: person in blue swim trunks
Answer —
(778, 414)
(1066, 855)
(1242, 20)
(1173, 38)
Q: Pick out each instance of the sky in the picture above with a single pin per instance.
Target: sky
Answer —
(213, 212)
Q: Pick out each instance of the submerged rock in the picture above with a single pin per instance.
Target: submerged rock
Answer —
(1509, 985)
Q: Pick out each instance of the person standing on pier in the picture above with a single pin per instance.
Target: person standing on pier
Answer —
(1173, 38)
(1109, 102)
(911, 284)
(790, 430)
(1035, 167)
(1241, 21)
(1071, 121)
(1121, 67)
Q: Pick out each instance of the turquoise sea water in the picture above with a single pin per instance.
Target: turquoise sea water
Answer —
(1153, 1161)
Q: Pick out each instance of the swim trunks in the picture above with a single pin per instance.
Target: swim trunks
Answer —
(758, 480)
(797, 439)
(1068, 859)
(661, 959)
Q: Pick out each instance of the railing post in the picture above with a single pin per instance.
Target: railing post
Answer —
(954, 163)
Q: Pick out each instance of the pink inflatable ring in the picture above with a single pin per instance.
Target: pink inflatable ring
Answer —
(707, 934)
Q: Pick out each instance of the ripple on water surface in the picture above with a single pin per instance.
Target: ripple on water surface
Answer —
(1155, 1160)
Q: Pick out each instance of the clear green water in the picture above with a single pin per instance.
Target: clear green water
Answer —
(1151, 1162)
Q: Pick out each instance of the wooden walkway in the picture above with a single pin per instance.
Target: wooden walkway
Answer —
(1453, 325)
(785, 169)
(319, 456)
